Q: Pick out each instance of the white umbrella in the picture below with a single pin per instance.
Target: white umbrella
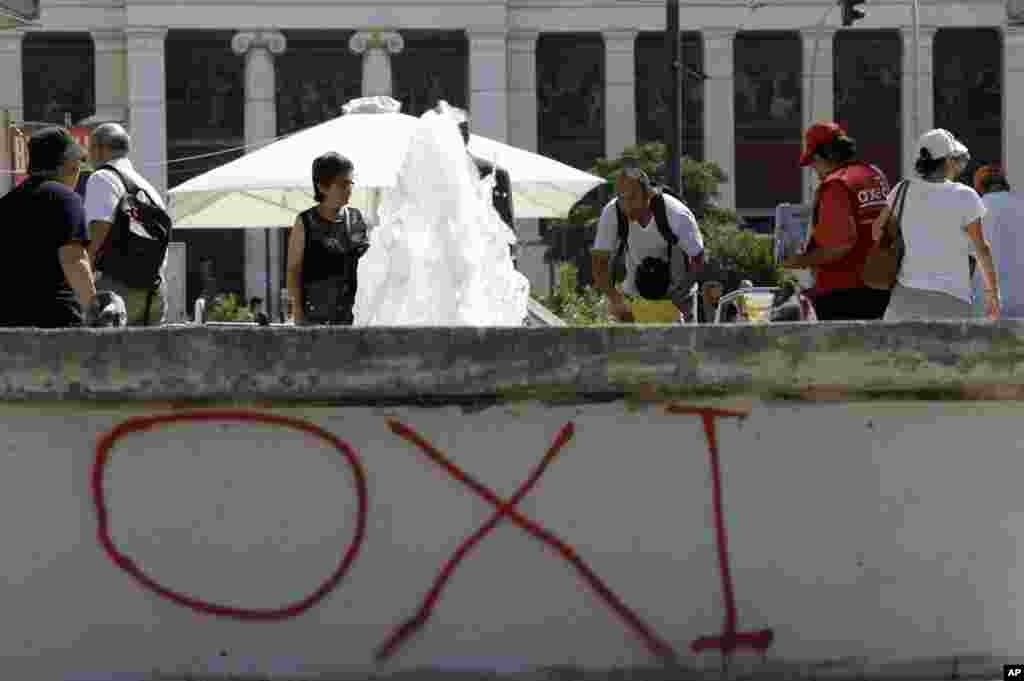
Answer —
(268, 187)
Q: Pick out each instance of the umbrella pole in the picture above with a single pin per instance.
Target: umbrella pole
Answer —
(266, 252)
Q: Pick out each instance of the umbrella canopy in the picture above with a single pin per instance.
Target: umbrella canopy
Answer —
(268, 187)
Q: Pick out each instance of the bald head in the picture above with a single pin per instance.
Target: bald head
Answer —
(109, 141)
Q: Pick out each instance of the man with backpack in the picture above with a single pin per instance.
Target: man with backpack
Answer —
(656, 237)
(129, 226)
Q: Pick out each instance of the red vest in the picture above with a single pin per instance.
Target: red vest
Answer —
(868, 189)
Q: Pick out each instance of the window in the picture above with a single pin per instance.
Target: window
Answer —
(768, 119)
(654, 91)
(968, 67)
(868, 96)
(570, 97)
(316, 76)
(434, 65)
(205, 115)
(59, 77)
(570, 117)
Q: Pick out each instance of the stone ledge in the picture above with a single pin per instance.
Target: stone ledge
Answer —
(841, 361)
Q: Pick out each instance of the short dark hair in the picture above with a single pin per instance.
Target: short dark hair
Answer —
(328, 168)
(928, 167)
(840, 150)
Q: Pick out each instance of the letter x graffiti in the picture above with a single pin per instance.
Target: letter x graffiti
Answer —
(506, 509)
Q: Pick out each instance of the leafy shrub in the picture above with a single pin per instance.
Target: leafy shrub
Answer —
(576, 305)
(228, 308)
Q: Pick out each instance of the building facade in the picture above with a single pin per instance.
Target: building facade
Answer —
(576, 80)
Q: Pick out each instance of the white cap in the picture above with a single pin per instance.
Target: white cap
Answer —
(941, 143)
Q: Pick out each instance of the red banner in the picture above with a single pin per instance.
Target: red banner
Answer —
(19, 148)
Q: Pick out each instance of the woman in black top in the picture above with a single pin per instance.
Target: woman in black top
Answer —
(325, 246)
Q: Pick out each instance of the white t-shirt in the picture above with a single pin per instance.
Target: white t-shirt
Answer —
(104, 190)
(934, 225)
(1003, 226)
(646, 241)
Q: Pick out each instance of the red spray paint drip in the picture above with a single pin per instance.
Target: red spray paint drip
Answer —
(730, 639)
(506, 509)
(122, 561)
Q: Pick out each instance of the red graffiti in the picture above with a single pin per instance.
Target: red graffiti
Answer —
(122, 561)
(506, 509)
(730, 639)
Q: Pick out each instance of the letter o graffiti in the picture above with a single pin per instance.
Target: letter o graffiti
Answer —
(139, 424)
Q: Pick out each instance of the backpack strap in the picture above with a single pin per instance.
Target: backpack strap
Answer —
(129, 186)
(661, 220)
(131, 189)
(623, 229)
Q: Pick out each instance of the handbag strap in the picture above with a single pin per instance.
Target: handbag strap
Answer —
(899, 203)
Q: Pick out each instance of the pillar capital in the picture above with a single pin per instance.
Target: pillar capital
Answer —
(620, 36)
(376, 39)
(108, 39)
(145, 38)
(523, 37)
(271, 41)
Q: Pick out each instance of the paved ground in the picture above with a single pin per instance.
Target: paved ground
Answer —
(947, 669)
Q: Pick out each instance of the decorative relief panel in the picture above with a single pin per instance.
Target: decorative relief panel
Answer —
(654, 91)
(433, 65)
(59, 76)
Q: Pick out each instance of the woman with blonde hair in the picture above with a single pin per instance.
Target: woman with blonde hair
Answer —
(940, 218)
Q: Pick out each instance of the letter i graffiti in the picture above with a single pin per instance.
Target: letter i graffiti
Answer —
(730, 639)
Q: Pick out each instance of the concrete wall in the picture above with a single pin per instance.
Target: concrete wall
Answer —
(864, 534)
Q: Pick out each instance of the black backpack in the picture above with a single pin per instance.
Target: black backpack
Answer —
(126, 256)
(654, 275)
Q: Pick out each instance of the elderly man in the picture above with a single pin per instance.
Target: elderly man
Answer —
(109, 148)
(642, 206)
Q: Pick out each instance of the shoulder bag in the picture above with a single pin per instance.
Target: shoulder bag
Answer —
(882, 267)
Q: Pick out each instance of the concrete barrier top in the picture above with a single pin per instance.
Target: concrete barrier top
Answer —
(849, 361)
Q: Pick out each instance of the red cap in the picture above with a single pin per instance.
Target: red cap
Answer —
(817, 135)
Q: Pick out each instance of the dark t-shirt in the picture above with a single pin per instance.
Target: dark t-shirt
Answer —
(44, 215)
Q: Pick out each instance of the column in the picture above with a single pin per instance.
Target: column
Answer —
(719, 108)
(147, 106)
(926, 98)
(522, 90)
(262, 250)
(523, 133)
(488, 82)
(818, 83)
(11, 99)
(620, 91)
(376, 46)
(1013, 99)
(111, 76)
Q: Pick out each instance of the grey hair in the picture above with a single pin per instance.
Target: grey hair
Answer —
(114, 136)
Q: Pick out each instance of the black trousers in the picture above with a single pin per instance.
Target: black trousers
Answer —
(851, 304)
